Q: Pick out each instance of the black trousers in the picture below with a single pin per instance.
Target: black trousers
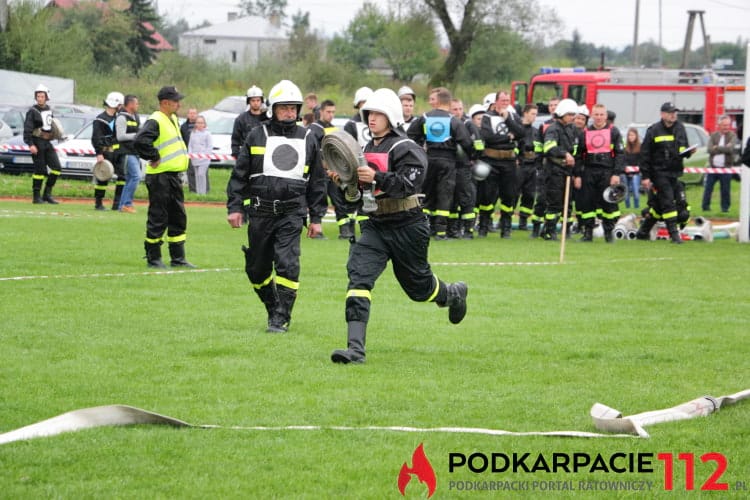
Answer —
(591, 203)
(273, 244)
(406, 247)
(465, 194)
(501, 183)
(439, 185)
(166, 208)
(527, 183)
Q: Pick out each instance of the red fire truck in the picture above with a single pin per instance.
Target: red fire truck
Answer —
(636, 94)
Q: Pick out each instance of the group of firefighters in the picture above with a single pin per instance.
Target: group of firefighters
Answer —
(494, 159)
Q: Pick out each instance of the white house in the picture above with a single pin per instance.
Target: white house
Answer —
(238, 42)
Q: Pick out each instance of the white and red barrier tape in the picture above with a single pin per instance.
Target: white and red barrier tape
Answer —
(695, 170)
(75, 151)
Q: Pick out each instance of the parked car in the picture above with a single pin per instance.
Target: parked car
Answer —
(235, 104)
(220, 124)
(74, 164)
(14, 115)
(5, 131)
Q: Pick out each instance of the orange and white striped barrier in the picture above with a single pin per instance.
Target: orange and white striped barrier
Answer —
(695, 170)
(77, 151)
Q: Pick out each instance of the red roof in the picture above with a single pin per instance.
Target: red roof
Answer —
(161, 42)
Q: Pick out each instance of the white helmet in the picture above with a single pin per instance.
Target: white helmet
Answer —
(362, 94)
(387, 102)
(476, 108)
(42, 88)
(284, 92)
(254, 91)
(406, 90)
(114, 99)
(480, 170)
(583, 110)
(489, 100)
(566, 106)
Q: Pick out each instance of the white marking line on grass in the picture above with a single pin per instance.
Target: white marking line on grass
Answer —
(115, 275)
(9, 214)
(498, 264)
(449, 430)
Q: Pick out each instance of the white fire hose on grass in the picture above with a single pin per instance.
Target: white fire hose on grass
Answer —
(605, 419)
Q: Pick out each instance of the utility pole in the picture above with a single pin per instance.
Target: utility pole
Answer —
(635, 34)
(661, 63)
(689, 38)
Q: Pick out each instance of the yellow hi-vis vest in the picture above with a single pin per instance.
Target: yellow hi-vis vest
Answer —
(172, 149)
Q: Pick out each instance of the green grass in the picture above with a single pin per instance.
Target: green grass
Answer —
(636, 325)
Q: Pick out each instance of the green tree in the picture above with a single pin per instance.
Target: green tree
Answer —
(264, 8)
(576, 50)
(359, 43)
(463, 20)
(304, 44)
(410, 46)
(492, 45)
(143, 19)
(36, 43)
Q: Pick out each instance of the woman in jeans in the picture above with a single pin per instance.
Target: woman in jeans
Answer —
(632, 179)
(126, 127)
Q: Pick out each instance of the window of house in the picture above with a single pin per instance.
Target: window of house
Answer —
(234, 56)
(209, 41)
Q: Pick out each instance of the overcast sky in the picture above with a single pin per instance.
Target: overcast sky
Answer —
(603, 22)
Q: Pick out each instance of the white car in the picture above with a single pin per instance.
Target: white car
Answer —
(220, 124)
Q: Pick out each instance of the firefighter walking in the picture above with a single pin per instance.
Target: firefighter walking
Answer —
(277, 180)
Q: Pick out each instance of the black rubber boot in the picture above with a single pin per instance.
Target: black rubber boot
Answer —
(484, 224)
(644, 230)
(47, 196)
(118, 194)
(588, 234)
(36, 188)
(505, 225)
(177, 255)
(468, 229)
(536, 228)
(282, 314)
(454, 229)
(550, 230)
(608, 227)
(153, 255)
(355, 351)
(674, 233)
(99, 203)
(456, 301)
(523, 223)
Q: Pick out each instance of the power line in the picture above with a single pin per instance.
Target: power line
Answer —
(724, 4)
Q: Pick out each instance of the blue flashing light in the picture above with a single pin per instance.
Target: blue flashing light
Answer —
(546, 70)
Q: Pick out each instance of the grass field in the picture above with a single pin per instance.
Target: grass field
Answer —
(636, 325)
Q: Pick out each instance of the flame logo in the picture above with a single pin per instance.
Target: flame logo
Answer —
(421, 468)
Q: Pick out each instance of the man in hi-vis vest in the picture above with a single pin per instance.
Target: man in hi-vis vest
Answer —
(160, 143)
